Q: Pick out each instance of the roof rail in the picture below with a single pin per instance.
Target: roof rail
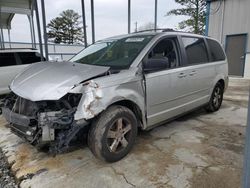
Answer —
(158, 29)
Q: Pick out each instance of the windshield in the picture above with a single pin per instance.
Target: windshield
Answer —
(117, 54)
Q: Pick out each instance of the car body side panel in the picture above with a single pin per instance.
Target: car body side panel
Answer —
(166, 94)
(200, 80)
(102, 92)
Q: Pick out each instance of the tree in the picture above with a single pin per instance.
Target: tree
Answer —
(196, 11)
(66, 28)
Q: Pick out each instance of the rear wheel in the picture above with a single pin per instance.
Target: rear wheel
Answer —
(112, 134)
(216, 98)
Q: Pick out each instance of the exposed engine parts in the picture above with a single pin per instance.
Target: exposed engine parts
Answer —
(44, 122)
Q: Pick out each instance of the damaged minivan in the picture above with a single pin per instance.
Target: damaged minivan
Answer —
(114, 87)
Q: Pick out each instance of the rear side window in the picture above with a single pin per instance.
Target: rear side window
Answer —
(195, 49)
(29, 57)
(217, 54)
(7, 59)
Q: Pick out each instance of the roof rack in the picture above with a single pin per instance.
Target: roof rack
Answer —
(158, 29)
(162, 30)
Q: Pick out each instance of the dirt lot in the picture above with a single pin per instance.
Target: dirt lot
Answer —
(198, 150)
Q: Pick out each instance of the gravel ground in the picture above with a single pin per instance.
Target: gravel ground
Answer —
(7, 179)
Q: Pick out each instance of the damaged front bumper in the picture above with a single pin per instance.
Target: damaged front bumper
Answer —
(20, 124)
(43, 122)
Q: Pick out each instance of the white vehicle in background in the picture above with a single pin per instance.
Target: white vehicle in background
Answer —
(12, 62)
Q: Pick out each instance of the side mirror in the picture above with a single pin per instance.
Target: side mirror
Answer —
(155, 64)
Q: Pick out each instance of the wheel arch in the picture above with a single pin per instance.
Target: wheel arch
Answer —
(222, 82)
(133, 107)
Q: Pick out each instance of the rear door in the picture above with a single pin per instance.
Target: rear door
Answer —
(166, 89)
(200, 72)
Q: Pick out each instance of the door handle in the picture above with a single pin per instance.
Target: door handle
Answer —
(192, 73)
(182, 75)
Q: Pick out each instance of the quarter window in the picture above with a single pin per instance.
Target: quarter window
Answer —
(196, 50)
(217, 54)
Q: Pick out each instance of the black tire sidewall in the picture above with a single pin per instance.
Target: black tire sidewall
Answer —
(99, 130)
(212, 107)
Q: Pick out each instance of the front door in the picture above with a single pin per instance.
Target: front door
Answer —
(166, 88)
(235, 50)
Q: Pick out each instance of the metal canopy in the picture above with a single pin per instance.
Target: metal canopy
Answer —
(6, 19)
(8, 8)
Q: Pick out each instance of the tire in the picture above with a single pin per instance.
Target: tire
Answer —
(216, 98)
(112, 135)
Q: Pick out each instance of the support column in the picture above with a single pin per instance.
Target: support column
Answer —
(31, 32)
(2, 38)
(9, 37)
(84, 24)
(129, 16)
(33, 29)
(155, 26)
(1, 46)
(207, 17)
(93, 21)
(45, 38)
(1, 33)
(39, 30)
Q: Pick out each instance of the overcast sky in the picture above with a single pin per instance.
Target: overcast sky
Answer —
(110, 16)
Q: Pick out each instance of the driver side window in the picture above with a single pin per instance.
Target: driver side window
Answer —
(166, 52)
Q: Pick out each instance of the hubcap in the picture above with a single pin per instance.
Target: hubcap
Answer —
(118, 135)
(217, 97)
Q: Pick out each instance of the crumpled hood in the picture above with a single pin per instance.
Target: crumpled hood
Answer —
(52, 80)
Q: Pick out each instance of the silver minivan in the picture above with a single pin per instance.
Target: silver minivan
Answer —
(114, 87)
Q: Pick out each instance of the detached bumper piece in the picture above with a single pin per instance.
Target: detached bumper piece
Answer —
(20, 124)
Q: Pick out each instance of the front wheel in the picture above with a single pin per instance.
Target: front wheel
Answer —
(113, 133)
(216, 98)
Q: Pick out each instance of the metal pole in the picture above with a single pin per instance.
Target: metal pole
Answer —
(246, 168)
(31, 32)
(129, 15)
(33, 29)
(207, 17)
(45, 38)
(222, 22)
(3, 46)
(39, 30)
(9, 37)
(1, 32)
(84, 24)
(92, 21)
(1, 40)
(155, 26)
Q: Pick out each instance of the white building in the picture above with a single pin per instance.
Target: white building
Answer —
(229, 22)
